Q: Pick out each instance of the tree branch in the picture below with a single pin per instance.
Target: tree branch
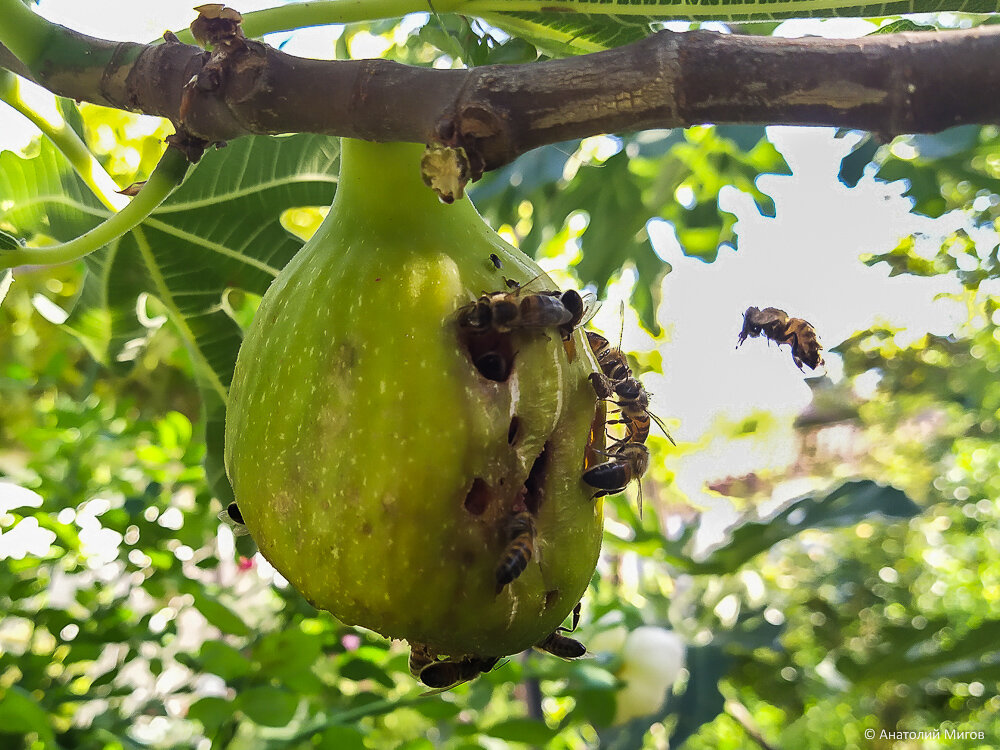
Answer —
(891, 84)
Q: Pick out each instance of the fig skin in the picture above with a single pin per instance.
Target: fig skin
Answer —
(357, 425)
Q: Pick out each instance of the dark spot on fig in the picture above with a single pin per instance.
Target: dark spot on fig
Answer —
(515, 424)
(551, 597)
(478, 497)
(596, 442)
(346, 356)
(466, 558)
(492, 353)
(366, 529)
(535, 482)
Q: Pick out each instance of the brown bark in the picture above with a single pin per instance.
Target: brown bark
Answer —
(891, 84)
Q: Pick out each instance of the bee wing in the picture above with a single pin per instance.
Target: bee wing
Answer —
(237, 528)
(590, 307)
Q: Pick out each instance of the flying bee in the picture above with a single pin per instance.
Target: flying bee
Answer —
(628, 461)
(520, 548)
(233, 518)
(420, 657)
(781, 329)
(451, 672)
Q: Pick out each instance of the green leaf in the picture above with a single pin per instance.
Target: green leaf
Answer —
(903, 24)
(562, 34)
(21, 713)
(219, 615)
(596, 705)
(908, 661)
(268, 706)
(223, 660)
(849, 504)
(852, 166)
(340, 738)
(673, 10)
(212, 712)
(362, 669)
(289, 655)
(221, 229)
(9, 242)
(702, 701)
(529, 731)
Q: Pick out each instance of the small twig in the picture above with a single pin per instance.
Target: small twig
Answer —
(740, 712)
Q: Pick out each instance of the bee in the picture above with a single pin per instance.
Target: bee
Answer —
(612, 362)
(495, 260)
(233, 518)
(781, 329)
(559, 645)
(520, 548)
(633, 403)
(450, 672)
(420, 657)
(562, 646)
(628, 461)
(583, 308)
(504, 312)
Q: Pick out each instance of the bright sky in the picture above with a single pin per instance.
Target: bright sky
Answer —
(804, 261)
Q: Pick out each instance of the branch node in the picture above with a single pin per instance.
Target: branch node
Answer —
(191, 146)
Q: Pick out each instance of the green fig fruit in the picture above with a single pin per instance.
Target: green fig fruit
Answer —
(375, 464)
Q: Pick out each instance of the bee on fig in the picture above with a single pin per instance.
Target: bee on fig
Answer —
(612, 361)
(582, 307)
(562, 646)
(233, 518)
(508, 311)
(495, 260)
(628, 461)
(504, 312)
(420, 657)
(520, 548)
(450, 672)
(633, 403)
(778, 327)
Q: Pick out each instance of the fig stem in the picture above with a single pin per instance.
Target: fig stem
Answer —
(169, 173)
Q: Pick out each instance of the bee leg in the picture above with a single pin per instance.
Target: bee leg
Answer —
(576, 619)
(602, 385)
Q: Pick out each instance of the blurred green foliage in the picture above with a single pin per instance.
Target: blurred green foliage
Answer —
(132, 618)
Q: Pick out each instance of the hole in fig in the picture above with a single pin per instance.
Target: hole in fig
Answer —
(478, 498)
(551, 597)
(533, 485)
(492, 353)
(515, 424)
